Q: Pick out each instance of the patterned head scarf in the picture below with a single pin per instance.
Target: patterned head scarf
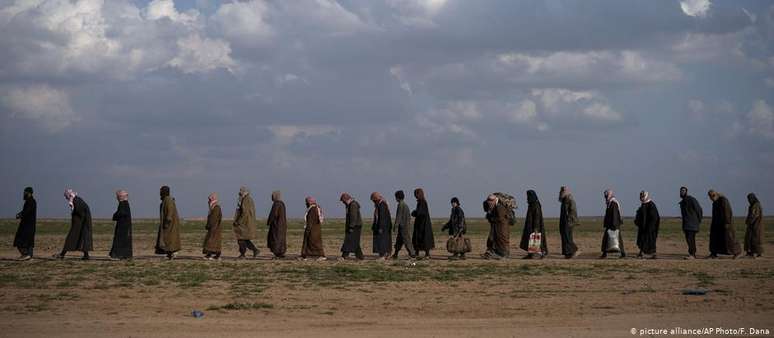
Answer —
(212, 200)
(644, 197)
(69, 195)
(610, 197)
(122, 195)
(492, 201)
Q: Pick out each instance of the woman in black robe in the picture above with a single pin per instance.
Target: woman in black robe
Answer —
(647, 222)
(533, 223)
(79, 237)
(381, 227)
(753, 237)
(423, 239)
(722, 232)
(456, 226)
(24, 240)
(122, 237)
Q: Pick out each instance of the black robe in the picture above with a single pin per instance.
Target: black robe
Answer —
(276, 239)
(25, 234)
(534, 223)
(422, 238)
(613, 221)
(79, 237)
(122, 237)
(382, 229)
(456, 223)
(722, 233)
(647, 221)
(352, 228)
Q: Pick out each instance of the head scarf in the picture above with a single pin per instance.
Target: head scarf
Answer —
(563, 192)
(345, 197)
(376, 197)
(713, 195)
(610, 198)
(681, 192)
(455, 200)
(213, 200)
(752, 199)
(644, 197)
(242, 193)
(492, 201)
(532, 197)
(312, 202)
(419, 194)
(399, 195)
(164, 191)
(28, 190)
(276, 196)
(122, 195)
(69, 195)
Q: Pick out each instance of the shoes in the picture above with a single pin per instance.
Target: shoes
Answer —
(689, 257)
(24, 258)
(576, 254)
(602, 256)
(320, 259)
(256, 252)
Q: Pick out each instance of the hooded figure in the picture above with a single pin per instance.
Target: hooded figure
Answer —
(381, 226)
(722, 233)
(213, 240)
(168, 239)
(353, 224)
(568, 219)
(533, 222)
(402, 223)
(612, 221)
(423, 228)
(244, 223)
(312, 246)
(122, 237)
(691, 215)
(79, 237)
(498, 216)
(24, 240)
(753, 237)
(276, 239)
(647, 221)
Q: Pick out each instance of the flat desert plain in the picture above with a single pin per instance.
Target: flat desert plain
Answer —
(583, 297)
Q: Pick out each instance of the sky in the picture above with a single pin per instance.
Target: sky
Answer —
(319, 97)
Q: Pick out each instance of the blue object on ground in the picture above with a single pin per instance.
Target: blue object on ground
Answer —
(197, 314)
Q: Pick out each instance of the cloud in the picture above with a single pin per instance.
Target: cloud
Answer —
(199, 55)
(760, 120)
(286, 134)
(244, 22)
(696, 8)
(45, 105)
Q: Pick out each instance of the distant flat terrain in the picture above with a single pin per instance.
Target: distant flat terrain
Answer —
(587, 297)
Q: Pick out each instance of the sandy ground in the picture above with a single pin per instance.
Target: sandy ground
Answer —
(585, 297)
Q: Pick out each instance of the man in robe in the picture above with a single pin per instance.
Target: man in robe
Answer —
(402, 219)
(213, 240)
(24, 241)
(353, 225)
(568, 219)
(647, 221)
(613, 221)
(79, 236)
(312, 246)
(691, 215)
(122, 236)
(276, 239)
(244, 223)
(753, 238)
(381, 227)
(722, 232)
(168, 238)
(499, 238)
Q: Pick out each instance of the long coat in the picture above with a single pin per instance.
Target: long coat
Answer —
(214, 237)
(691, 213)
(647, 221)
(753, 237)
(500, 232)
(122, 237)
(382, 229)
(353, 225)
(534, 223)
(456, 223)
(244, 220)
(313, 244)
(79, 237)
(168, 239)
(277, 221)
(422, 239)
(722, 233)
(25, 234)
(613, 221)
(568, 219)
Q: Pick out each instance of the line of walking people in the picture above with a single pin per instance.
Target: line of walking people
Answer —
(499, 209)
